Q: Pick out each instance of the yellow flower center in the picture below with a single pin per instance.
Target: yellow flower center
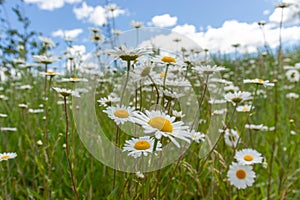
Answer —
(121, 113)
(5, 157)
(248, 157)
(241, 174)
(50, 73)
(162, 75)
(74, 79)
(168, 59)
(260, 80)
(161, 124)
(142, 145)
(245, 109)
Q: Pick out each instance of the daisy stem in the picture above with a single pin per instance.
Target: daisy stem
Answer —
(67, 150)
(218, 140)
(126, 82)
(45, 83)
(201, 101)
(156, 89)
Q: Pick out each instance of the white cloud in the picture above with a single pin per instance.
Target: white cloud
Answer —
(291, 14)
(77, 49)
(51, 4)
(67, 33)
(164, 20)
(248, 35)
(185, 29)
(95, 15)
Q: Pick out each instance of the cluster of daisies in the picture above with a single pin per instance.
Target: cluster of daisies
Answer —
(153, 122)
(240, 173)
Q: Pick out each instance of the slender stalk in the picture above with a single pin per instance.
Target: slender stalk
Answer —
(67, 151)
(200, 103)
(218, 140)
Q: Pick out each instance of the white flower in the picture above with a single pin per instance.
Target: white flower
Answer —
(237, 97)
(248, 157)
(197, 136)
(9, 129)
(44, 59)
(293, 75)
(127, 54)
(231, 137)
(120, 114)
(241, 176)
(258, 81)
(208, 69)
(292, 95)
(244, 108)
(6, 156)
(141, 146)
(64, 92)
(163, 125)
(107, 101)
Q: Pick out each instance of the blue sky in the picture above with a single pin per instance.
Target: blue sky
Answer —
(225, 21)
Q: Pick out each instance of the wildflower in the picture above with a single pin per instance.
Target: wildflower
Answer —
(293, 75)
(237, 97)
(120, 114)
(6, 156)
(9, 129)
(44, 59)
(39, 143)
(163, 125)
(74, 80)
(107, 101)
(208, 69)
(126, 54)
(35, 111)
(48, 73)
(141, 146)
(292, 95)
(63, 91)
(244, 108)
(241, 176)
(3, 115)
(168, 59)
(248, 156)
(197, 136)
(47, 42)
(139, 175)
(136, 24)
(231, 137)
(258, 81)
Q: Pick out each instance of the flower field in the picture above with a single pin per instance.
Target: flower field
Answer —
(135, 120)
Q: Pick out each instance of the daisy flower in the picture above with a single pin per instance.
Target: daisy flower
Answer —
(208, 69)
(163, 125)
(126, 54)
(8, 129)
(293, 75)
(44, 59)
(120, 114)
(259, 81)
(197, 136)
(237, 97)
(244, 108)
(248, 156)
(6, 156)
(107, 101)
(141, 146)
(241, 176)
(63, 91)
(231, 137)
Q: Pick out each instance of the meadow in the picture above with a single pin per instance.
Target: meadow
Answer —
(187, 124)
